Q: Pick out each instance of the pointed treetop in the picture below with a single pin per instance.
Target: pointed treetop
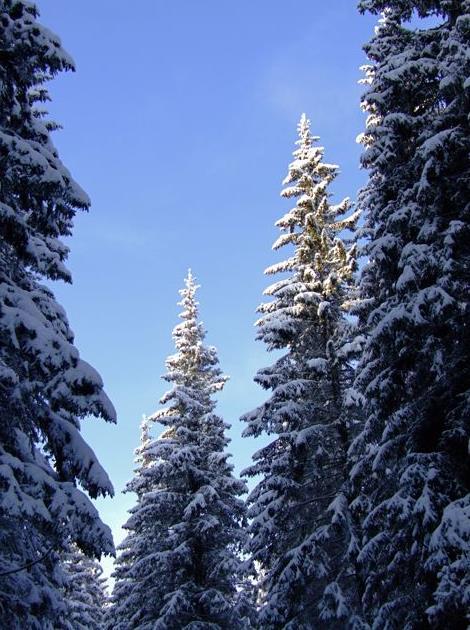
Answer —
(303, 128)
(190, 280)
(305, 155)
(193, 358)
(188, 301)
(306, 139)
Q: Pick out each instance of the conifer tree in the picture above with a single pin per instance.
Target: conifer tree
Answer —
(45, 387)
(297, 514)
(411, 468)
(182, 565)
(135, 585)
(84, 592)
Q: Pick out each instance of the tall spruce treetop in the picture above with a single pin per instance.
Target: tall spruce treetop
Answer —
(45, 387)
(303, 467)
(186, 527)
(411, 473)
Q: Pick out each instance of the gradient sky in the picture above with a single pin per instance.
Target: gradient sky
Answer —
(180, 123)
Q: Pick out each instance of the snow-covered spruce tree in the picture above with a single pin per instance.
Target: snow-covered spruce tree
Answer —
(297, 508)
(135, 586)
(45, 388)
(84, 592)
(182, 566)
(411, 472)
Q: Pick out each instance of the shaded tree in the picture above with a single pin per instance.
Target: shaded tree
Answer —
(45, 387)
(410, 463)
(84, 592)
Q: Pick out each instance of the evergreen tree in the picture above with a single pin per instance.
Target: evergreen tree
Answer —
(45, 387)
(411, 468)
(136, 586)
(297, 513)
(180, 564)
(84, 592)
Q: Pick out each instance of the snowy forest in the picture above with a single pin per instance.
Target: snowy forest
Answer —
(355, 510)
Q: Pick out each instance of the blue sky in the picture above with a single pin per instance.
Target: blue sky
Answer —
(180, 123)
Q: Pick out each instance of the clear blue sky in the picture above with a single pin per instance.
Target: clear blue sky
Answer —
(179, 123)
